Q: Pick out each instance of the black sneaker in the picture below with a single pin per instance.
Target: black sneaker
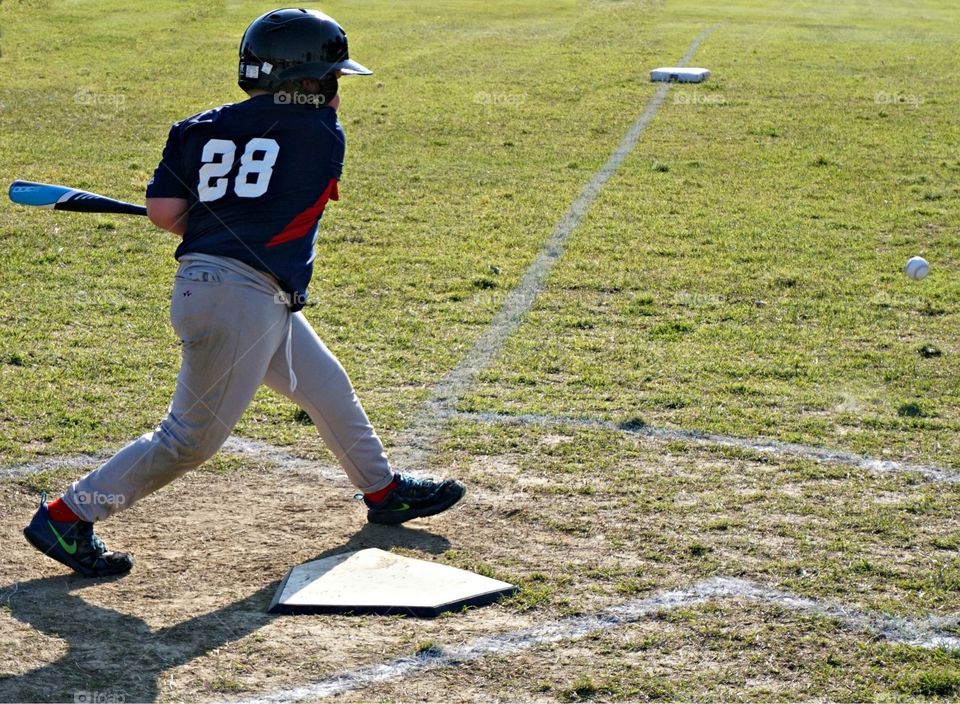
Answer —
(414, 498)
(74, 544)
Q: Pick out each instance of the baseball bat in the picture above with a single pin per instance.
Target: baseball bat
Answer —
(46, 195)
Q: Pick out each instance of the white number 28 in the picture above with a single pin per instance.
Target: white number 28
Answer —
(257, 161)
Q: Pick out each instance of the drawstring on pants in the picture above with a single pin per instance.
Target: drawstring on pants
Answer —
(288, 345)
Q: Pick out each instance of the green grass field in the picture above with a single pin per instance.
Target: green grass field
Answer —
(741, 274)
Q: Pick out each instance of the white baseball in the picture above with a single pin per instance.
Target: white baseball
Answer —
(916, 268)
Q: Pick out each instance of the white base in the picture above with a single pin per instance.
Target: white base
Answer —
(374, 581)
(679, 74)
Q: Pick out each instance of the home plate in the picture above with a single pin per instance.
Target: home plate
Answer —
(374, 581)
(679, 74)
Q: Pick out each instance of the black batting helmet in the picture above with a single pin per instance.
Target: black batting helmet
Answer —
(289, 44)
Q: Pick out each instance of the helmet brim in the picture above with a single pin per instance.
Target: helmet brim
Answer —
(349, 67)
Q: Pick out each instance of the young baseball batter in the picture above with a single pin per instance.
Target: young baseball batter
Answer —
(245, 185)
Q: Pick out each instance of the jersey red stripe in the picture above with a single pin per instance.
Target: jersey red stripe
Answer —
(305, 221)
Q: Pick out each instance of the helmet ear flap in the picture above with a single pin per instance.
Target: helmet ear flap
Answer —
(252, 76)
(329, 88)
(309, 91)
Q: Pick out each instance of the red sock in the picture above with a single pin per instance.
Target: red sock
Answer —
(60, 512)
(378, 496)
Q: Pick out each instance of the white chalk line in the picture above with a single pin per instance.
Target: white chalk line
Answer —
(283, 458)
(81, 461)
(289, 461)
(759, 445)
(927, 633)
(235, 445)
(428, 424)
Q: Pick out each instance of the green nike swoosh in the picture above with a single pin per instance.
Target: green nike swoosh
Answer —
(69, 547)
(402, 507)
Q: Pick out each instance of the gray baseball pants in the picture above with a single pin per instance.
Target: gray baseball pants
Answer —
(236, 334)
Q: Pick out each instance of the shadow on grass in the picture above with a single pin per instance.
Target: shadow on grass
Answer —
(115, 657)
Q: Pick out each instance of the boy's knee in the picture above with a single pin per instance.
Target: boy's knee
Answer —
(194, 455)
(189, 450)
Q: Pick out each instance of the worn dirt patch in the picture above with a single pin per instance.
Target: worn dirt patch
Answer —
(190, 622)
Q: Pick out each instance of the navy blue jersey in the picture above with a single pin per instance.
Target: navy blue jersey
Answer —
(257, 176)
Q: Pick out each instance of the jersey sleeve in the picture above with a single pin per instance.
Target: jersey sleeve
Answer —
(169, 179)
